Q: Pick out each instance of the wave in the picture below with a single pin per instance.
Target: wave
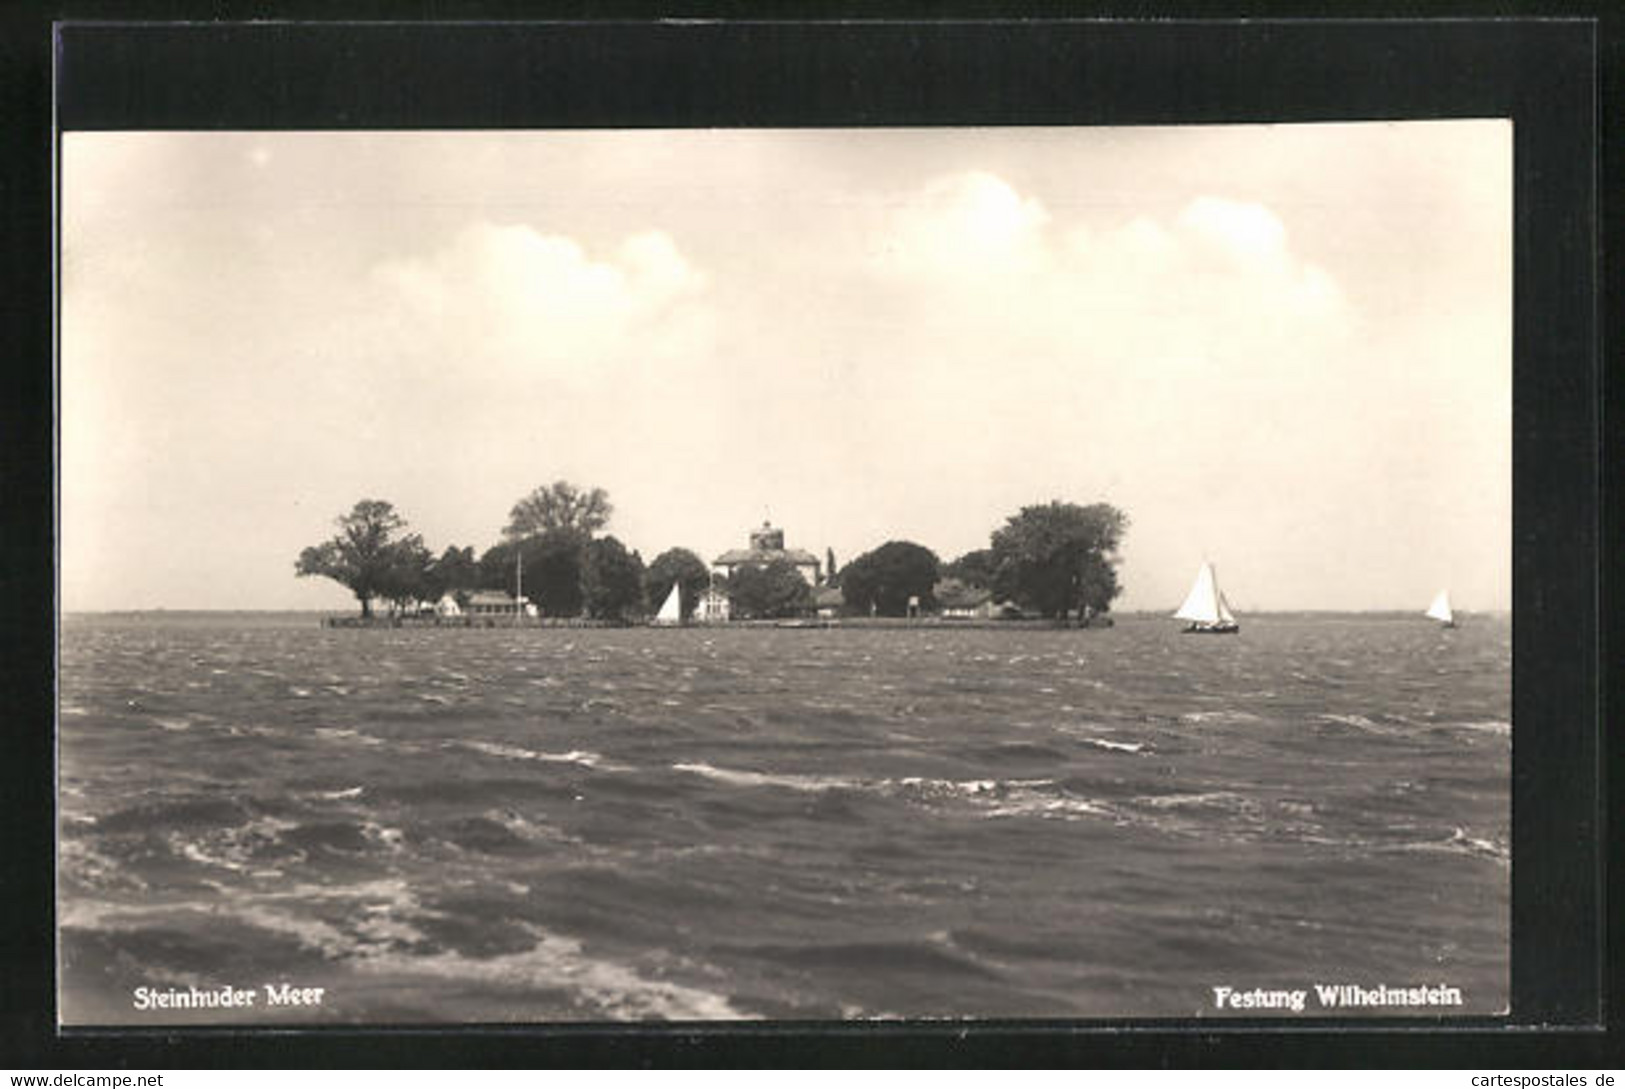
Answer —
(497, 831)
(558, 965)
(810, 783)
(1115, 746)
(346, 734)
(1476, 845)
(514, 752)
(353, 921)
(999, 798)
(373, 923)
(1010, 751)
(1203, 718)
(1043, 806)
(242, 848)
(189, 812)
(1459, 842)
(935, 956)
(83, 864)
(1212, 799)
(1357, 721)
(934, 787)
(1495, 727)
(1043, 798)
(172, 723)
(520, 825)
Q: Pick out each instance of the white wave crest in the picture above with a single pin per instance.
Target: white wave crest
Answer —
(514, 752)
(613, 991)
(812, 783)
(1199, 718)
(346, 735)
(1497, 727)
(1115, 746)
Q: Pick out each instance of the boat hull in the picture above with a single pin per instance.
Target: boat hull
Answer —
(1211, 629)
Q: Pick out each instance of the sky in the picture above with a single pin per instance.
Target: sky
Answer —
(1285, 349)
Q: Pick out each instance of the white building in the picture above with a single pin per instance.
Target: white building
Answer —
(712, 608)
(767, 545)
(496, 603)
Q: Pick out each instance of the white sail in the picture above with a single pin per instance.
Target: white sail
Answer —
(1440, 609)
(672, 611)
(1204, 603)
(1225, 615)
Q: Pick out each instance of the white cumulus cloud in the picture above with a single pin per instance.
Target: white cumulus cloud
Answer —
(1249, 232)
(964, 226)
(511, 296)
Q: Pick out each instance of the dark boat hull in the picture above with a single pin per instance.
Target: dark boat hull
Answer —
(1211, 629)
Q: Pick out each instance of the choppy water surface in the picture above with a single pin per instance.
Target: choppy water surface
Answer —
(562, 825)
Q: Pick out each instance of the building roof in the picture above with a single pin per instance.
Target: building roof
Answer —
(953, 594)
(491, 597)
(828, 597)
(798, 556)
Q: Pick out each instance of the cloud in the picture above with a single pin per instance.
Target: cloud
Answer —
(511, 301)
(974, 235)
(1167, 358)
(1248, 233)
(995, 275)
(968, 227)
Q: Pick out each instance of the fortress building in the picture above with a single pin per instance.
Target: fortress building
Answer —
(767, 545)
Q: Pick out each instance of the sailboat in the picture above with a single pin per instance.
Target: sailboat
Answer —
(672, 611)
(1440, 610)
(1205, 607)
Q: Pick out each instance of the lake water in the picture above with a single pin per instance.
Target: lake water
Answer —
(591, 825)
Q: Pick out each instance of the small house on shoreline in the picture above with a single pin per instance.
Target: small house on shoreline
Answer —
(958, 601)
(488, 603)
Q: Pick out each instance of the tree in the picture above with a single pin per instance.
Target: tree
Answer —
(973, 568)
(495, 568)
(406, 579)
(760, 591)
(882, 581)
(361, 556)
(613, 580)
(554, 565)
(456, 572)
(1059, 557)
(683, 568)
(559, 506)
(555, 572)
(832, 574)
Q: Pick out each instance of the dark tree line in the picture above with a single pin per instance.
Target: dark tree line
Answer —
(1056, 559)
(549, 543)
(767, 591)
(1060, 559)
(365, 555)
(884, 582)
(683, 568)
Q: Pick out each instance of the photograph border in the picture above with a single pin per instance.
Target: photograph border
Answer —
(1542, 73)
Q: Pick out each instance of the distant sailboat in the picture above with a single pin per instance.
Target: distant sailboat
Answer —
(672, 611)
(1206, 608)
(1440, 610)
